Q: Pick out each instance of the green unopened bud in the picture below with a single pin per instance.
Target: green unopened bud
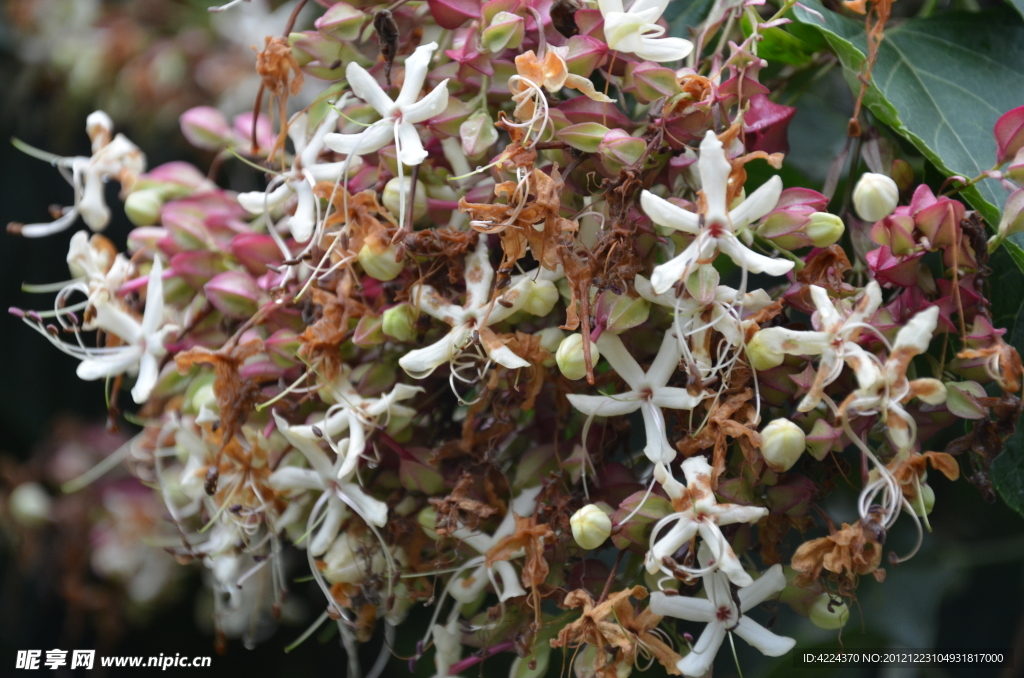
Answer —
(143, 207)
(392, 197)
(400, 323)
(427, 518)
(570, 357)
(378, 259)
(828, 613)
(585, 136)
(761, 355)
(368, 331)
(824, 229)
(478, 134)
(782, 443)
(29, 504)
(590, 526)
(875, 197)
(618, 312)
(925, 501)
(505, 32)
(541, 298)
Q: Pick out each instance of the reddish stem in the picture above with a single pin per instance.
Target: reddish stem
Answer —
(458, 667)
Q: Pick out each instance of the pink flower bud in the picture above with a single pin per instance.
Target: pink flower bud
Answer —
(584, 54)
(635, 534)
(341, 22)
(618, 150)
(766, 124)
(584, 109)
(892, 270)
(369, 331)
(478, 134)
(1009, 133)
(242, 126)
(450, 121)
(451, 14)
(652, 82)
(234, 293)
(255, 251)
(895, 232)
(506, 31)
(282, 347)
(205, 127)
(197, 267)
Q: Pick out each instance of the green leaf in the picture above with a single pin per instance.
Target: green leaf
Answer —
(682, 14)
(1018, 4)
(940, 82)
(778, 45)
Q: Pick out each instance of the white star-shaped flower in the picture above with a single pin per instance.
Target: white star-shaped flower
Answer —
(398, 117)
(716, 227)
(112, 157)
(835, 341)
(534, 293)
(722, 615)
(638, 32)
(648, 392)
(699, 512)
(305, 173)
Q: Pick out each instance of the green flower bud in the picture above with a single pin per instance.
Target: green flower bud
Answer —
(478, 134)
(585, 136)
(619, 313)
(570, 356)
(825, 618)
(925, 501)
(824, 229)
(427, 518)
(400, 323)
(590, 526)
(875, 197)
(505, 32)
(143, 207)
(761, 355)
(392, 197)
(782, 443)
(379, 260)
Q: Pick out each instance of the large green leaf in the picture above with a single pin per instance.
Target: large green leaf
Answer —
(940, 82)
(1019, 4)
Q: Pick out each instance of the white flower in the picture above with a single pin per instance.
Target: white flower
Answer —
(637, 31)
(722, 615)
(649, 392)
(466, 589)
(835, 340)
(699, 512)
(398, 117)
(477, 313)
(115, 157)
(717, 226)
(305, 173)
(447, 647)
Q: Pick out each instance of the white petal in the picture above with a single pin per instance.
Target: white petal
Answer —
(828, 314)
(366, 88)
(258, 202)
(303, 222)
(369, 509)
(607, 6)
(316, 457)
(427, 299)
(149, 370)
(510, 580)
(727, 514)
(669, 542)
(675, 398)
(682, 607)
(466, 590)
(917, 334)
(702, 656)
(605, 406)
(658, 448)
(479, 276)
(726, 559)
(506, 357)
(759, 203)
(111, 365)
(751, 260)
(111, 319)
(714, 176)
(768, 643)
(410, 148)
(643, 5)
(49, 227)
(667, 361)
(621, 360)
(763, 588)
(421, 362)
(429, 106)
(668, 274)
(372, 139)
(416, 67)
(295, 478)
(316, 144)
(354, 449)
(664, 213)
(329, 527)
(664, 49)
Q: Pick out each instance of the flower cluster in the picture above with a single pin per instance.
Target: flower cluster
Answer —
(508, 306)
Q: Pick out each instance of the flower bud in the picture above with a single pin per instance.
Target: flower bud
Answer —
(282, 346)
(505, 32)
(618, 150)
(378, 259)
(29, 504)
(570, 356)
(368, 331)
(400, 323)
(825, 229)
(478, 134)
(392, 198)
(825, 618)
(590, 526)
(782, 443)
(584, 54)
(143, 207)
(341, 22)
(233, 293)
(652, 82)
(205, 127)
(540, 298)
(1013, 215)
(617, 312)
(100, 129)
(427, 518)
(550, 339)
(925, 501)
(1015, 172)
(761, 355)
(875, 196)
(586, 136)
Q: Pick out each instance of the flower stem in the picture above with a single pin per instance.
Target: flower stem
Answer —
(458, 667)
